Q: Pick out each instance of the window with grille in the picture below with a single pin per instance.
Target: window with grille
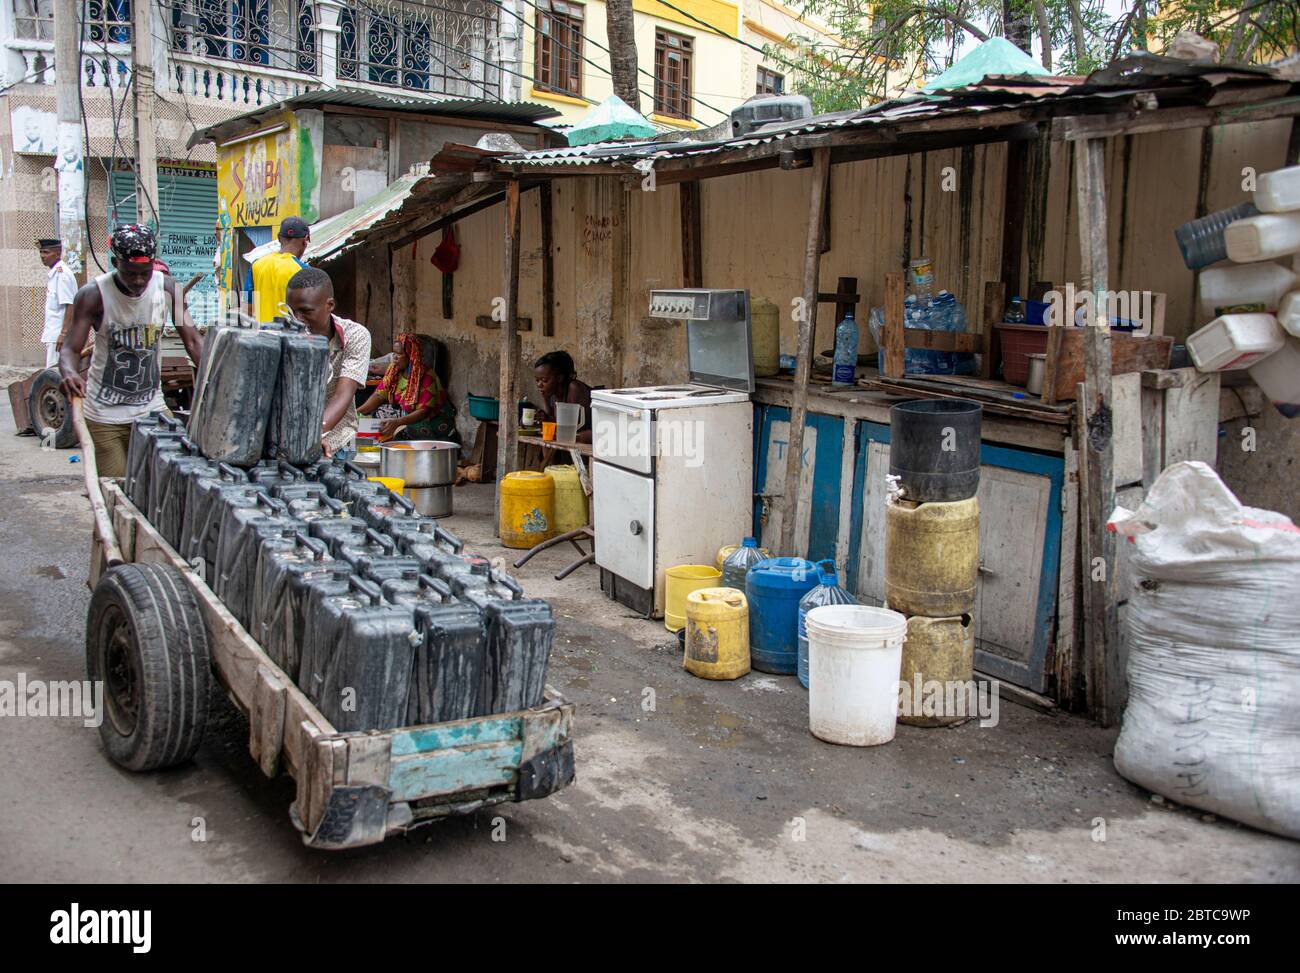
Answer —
(559, 47)
(770, 83)
(672, 74)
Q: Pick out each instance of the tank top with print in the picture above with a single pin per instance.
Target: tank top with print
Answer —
(125, 380)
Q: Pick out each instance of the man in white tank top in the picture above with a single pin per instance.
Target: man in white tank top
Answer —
(127, 309)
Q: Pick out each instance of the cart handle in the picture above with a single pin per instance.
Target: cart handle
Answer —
(103, 526)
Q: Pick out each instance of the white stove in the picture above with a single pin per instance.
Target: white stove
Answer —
(669, 396)
(673, 464)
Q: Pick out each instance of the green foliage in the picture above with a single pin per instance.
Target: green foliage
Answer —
(889, 44)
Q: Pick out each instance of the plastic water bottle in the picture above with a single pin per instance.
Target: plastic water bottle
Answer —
(846, 351)
(917, 361)
(945, 306)
(1201, 241)
(827, 592)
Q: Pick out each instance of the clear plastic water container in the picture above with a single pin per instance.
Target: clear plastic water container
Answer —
(827, 592)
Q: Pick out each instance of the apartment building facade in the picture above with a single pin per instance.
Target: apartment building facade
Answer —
(213, 60)
(697, 59)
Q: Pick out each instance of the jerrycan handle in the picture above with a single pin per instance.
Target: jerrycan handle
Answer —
(335, 506)
(289, 470)
(366, 588)
(271, 503)
(826, 572)
(500, 577)
(443, 534)
(229, 472)
(405, 503)
(436, 585)
(355, 470)
(313, 544)
(383, 540)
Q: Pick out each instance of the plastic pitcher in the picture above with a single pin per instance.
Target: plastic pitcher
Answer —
(569, 418)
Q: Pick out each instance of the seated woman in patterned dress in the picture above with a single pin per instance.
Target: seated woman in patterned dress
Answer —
(410, 401)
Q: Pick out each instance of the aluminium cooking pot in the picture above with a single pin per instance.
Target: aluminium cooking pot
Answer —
(420, 462)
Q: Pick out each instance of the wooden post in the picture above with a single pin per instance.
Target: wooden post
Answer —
(508, 423)
(688, 194)
(548, 264)
(1101, 611)
(995, 300)
(892, 354)
(803, 363)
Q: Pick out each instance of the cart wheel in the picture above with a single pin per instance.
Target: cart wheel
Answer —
(49, 410)
(146, 640)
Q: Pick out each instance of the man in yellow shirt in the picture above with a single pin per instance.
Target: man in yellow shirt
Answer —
(271, 272)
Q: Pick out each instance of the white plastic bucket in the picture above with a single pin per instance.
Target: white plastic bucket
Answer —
(854, 656)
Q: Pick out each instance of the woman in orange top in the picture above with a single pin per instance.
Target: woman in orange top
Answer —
(411, 388)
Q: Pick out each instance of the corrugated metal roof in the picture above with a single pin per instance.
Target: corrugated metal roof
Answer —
(332, 237)
(1176, 82)
(516, 112)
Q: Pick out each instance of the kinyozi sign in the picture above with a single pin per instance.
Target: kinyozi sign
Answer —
(271, 175)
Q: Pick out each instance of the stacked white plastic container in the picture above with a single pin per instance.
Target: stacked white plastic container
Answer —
(1255, 302)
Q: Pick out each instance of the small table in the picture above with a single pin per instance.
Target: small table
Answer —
(577, 450)
(580, 452)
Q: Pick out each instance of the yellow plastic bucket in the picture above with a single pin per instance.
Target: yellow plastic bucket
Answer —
(717, 634)
(681, 581)
(527, 509)
(570, 500)
(394, 483)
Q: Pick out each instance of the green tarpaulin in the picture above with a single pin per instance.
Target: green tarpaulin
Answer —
(611, 119)
(996, 56)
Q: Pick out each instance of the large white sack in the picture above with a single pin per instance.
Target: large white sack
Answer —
(1213, 633)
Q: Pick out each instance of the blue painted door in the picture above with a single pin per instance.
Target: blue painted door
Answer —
(1020, 531)
(820, 486)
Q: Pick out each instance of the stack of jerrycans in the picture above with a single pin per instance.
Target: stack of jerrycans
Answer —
(518, 634)
(448, 670)
(358, 654)
(285, 579)
(148, 432)
(243, 530)
(172, 470)
(206, 498)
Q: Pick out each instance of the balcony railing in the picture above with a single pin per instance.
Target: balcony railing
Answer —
(266, 33)
(247, 53)
(444, 48)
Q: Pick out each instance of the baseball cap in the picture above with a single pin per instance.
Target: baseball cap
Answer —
(294, 228)
(134, 242)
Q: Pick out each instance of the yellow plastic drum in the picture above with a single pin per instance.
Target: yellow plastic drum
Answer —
(570, 501)
(681, 581)
(527, 509)
(932, 553)
(717, 634)
(765, 318)
(394, 483)
(937, 677)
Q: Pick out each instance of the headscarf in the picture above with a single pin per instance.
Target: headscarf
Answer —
(416, 368)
